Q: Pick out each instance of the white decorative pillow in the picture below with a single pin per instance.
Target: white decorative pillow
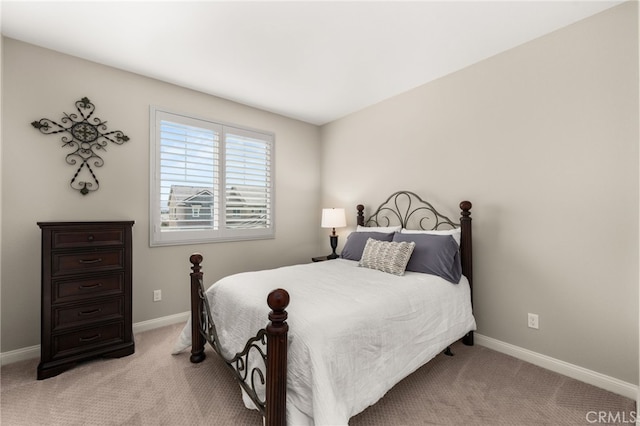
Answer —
(387, 256)
(385, 229)
(455, 232)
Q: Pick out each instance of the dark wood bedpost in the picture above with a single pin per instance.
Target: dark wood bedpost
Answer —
(277, 332)
(197, 339)
(466, 254)
(360, 217)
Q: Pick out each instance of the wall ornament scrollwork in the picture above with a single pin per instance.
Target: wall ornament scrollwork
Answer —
(86, 135)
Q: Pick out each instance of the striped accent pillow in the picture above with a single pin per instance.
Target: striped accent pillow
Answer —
(387, 256)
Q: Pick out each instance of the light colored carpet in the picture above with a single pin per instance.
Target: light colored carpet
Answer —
(477, 386)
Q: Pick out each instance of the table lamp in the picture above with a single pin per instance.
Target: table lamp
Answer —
(333, 218)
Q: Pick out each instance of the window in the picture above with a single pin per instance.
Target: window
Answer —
(209, 181)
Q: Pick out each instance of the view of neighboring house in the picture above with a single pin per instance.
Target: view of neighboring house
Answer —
(246, 207)
(194, 207)
(190, 206)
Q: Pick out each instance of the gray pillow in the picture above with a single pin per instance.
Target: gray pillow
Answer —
(354, 246)
(434, 254)
(387, 256)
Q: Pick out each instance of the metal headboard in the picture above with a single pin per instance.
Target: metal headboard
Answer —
(408, 210)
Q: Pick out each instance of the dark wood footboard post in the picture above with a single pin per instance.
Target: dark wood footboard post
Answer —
(466, 255)
(277, 332)
(197, 340)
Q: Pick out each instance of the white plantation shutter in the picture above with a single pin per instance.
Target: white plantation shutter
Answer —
(210, 181)
(247, 180)
(189, 162)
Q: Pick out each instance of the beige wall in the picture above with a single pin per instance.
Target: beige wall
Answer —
(40, 83)
(543, 139)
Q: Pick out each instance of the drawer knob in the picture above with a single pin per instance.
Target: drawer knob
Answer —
(90, 238)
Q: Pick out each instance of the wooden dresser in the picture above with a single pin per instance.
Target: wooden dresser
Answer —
(86, 293)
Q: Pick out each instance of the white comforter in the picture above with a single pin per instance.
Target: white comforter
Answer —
(353, 332)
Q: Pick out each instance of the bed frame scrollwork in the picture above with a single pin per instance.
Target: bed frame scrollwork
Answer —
(408, 210)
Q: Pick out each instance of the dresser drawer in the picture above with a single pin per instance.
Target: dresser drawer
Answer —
(89, 261)
(70, 290)
(87, 313)
(87, 238)
(85, 340)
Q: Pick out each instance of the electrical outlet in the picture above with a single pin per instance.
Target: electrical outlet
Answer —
(157, 295)
(532, 321)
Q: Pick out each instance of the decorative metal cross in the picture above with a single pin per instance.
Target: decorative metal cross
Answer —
(85, 134)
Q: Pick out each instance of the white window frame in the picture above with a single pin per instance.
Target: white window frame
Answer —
(159, 236)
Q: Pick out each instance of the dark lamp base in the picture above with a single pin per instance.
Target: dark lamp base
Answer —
(333, 239)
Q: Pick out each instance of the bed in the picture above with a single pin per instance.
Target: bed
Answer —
(341, 333)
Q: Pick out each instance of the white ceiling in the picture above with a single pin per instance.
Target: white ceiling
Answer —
(313, 61)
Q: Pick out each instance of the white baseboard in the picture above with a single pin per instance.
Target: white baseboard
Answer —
(139, 327)
(19, 355)
(602, 381)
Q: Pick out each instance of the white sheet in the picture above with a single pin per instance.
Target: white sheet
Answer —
(353, 332)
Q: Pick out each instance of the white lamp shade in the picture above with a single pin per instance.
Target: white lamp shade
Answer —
(333, 218)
